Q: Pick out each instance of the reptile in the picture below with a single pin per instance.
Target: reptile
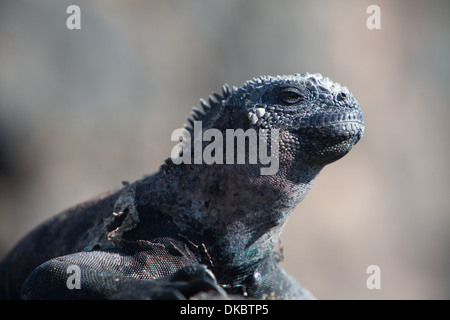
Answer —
(198, 229)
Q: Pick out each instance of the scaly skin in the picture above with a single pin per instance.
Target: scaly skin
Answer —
(173, 228)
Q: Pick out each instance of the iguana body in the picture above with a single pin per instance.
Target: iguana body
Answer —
(193, 228)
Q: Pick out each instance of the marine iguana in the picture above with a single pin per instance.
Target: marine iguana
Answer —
(197, 228)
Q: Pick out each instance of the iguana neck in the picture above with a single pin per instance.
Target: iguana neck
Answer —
(234, 211)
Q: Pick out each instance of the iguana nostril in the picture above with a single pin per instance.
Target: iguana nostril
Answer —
(341, 96)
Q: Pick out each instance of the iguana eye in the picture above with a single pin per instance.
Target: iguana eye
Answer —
(341, 96)
(291, 95)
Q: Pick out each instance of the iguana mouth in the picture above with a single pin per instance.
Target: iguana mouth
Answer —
(326, 119)
(332, 127)
(328, 137)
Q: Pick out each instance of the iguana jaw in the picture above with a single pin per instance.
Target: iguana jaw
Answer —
(328, 137)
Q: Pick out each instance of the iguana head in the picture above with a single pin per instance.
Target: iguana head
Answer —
(318, 120)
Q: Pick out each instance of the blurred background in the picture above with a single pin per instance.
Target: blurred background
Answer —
(82, 110)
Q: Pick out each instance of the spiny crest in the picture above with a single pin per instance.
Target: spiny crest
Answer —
(208, 109)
